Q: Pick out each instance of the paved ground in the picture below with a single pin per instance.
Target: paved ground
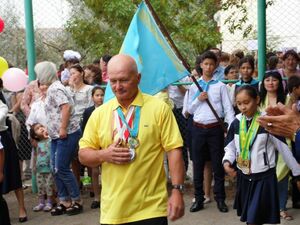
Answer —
(209, 216)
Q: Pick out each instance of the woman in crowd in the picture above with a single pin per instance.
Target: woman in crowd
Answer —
(81, 94)
(4, 215)
(71, 58)
(97, 96)
(272, 92)
(12, 176)
(290, 63)
(92, 75)
(64, 131)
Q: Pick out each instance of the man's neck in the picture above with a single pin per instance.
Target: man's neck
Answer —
(127, 102)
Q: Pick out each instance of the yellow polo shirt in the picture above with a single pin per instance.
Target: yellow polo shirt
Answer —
(135, 191)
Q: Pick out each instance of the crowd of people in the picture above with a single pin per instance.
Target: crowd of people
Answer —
(138, 142)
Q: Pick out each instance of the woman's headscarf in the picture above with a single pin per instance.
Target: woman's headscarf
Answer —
(45, 72)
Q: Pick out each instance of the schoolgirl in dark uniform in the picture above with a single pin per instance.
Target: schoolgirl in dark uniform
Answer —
(254, 151)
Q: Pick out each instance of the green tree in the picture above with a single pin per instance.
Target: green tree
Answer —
(238, 19)
(100, 26)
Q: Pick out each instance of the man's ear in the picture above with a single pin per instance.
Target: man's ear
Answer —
(139, 77)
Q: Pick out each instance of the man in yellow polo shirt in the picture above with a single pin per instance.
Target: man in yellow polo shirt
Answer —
(128, 136)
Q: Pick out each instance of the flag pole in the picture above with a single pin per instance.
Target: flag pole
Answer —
(186, 65)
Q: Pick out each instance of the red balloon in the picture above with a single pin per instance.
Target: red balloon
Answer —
(1, 25)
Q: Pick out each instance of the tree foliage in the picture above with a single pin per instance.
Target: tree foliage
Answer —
(100, 26)
(238, 19)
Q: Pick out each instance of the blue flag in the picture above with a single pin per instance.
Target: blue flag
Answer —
(156, 61)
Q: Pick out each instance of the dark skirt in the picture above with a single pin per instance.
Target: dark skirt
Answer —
(256, 199)
(12, 177)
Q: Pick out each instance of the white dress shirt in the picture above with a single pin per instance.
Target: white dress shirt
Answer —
(176, 95)
(219, 99)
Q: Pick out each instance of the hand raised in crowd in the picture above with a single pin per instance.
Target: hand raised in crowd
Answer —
(281, 120)
(117, 154)
(175, 205)
(229, 170)
(203, 96)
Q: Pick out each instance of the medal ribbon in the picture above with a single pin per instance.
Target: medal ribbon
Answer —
(133, 132)
(247, 136)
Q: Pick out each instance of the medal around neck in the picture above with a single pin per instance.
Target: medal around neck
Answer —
(133, 142)
(132, 153)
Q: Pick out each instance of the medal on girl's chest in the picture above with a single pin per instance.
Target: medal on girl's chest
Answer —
(244, 165)
(246, 139)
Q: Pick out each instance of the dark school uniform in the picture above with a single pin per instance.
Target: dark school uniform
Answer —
(256, 199)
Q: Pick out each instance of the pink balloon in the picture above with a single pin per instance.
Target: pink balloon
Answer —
(1, 25)
(14, 79)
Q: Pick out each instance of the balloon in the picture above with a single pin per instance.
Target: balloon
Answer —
(3, 66)
(14, 79)
(1, 25)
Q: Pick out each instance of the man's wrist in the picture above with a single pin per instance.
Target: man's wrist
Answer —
(178, 187)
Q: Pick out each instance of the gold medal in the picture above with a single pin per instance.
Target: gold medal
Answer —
(243, 165)
(133, 142)
(245, 170)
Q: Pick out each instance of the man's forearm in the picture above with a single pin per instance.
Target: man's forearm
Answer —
(176, 166)
(91, 157)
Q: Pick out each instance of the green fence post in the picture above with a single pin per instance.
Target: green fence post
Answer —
(30, 46)
(261, 25)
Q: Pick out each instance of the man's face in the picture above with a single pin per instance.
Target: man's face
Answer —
(124, 82)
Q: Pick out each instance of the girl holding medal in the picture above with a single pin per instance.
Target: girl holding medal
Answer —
(253, 150)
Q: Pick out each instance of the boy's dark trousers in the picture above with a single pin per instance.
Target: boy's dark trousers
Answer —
(213, 140)
(4, 214)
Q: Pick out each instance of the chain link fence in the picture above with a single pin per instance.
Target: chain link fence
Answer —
(282, 27)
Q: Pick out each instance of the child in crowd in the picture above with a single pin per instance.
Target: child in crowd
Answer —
(44, 177)
(207, 132)
(231, 73)
(4, 214)
(246, 70)
(253, 150)
(97, 96)
(294, 91)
